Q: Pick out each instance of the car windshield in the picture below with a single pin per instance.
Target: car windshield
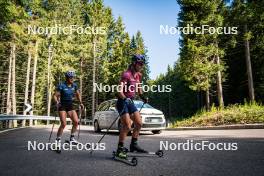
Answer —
(139, 104)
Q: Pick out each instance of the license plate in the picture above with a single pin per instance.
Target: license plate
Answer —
(155, 120)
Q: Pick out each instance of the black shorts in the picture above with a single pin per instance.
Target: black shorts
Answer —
(66, 107)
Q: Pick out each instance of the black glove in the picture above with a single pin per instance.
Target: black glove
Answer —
(144, 99)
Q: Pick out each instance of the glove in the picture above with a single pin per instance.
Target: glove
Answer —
(127, 100)
(144, 99)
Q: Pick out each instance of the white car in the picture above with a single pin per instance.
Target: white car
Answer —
(152, 119)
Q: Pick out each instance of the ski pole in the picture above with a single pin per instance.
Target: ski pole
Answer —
(109, 127)
(142, 106)
(112, 125)
(53, 125)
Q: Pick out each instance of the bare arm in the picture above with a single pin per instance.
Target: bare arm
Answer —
(120, 92)
(78, 96)
(56, 97)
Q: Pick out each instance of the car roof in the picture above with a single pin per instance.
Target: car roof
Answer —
(114, 99)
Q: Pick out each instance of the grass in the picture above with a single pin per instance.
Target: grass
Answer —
(247, 113)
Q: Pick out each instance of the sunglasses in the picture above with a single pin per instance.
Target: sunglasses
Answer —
(140, 63)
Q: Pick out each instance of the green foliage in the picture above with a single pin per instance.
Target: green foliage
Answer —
(180, 102)
(198, 52)
(195, 71)
(234, 114)
(112, 51)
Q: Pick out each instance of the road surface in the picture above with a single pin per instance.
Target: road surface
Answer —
(248, 159)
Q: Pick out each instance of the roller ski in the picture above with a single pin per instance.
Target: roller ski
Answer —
(121, 155)
(135, 150)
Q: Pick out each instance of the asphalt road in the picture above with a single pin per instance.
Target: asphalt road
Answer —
(248, 159)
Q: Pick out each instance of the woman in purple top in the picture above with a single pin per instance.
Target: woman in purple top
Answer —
(130, 83)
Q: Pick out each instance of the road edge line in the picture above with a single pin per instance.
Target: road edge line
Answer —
(222, 127)
(11, 129)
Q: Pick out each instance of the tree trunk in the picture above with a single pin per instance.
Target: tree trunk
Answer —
(207, 98)
(249, 68)
(219, 84)
(81, 76)
(49, 82)
(27, 83)
(3, 103)
(8, 102)
(94, 65)
(34, 79)
(14, 124)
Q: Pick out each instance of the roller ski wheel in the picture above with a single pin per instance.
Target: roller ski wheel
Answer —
(127, 160)
(160, 153)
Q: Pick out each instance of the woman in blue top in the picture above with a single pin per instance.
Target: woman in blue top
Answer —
(64, 97)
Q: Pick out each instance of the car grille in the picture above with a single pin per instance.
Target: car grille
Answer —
(153, 119)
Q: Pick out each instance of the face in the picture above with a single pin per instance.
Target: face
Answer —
(70, 80)
(139, 66)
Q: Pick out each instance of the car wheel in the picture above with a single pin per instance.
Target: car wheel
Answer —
(156, 131)
(97, 127)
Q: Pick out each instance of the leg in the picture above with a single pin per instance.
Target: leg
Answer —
(125, 127)
(137, 126)
(74, 117)
(62, 115)
(136, 118)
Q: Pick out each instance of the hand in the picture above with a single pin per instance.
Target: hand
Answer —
(128, 100)
(58, 105)
(82, 106)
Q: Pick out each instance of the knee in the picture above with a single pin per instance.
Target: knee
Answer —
(75, 123)
(138, 125)
(126, 126)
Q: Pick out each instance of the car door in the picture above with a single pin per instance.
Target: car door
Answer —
(112, 114)
(102, 115)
